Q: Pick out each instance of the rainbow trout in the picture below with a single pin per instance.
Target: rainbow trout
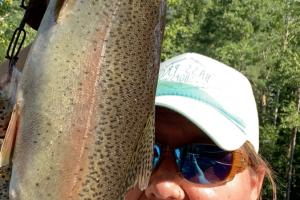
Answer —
(85, 104)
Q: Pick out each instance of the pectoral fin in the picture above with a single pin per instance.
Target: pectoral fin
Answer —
(9, 140)
(140, 166)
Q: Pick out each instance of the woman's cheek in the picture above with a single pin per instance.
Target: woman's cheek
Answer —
(237, 189)
(196, 193)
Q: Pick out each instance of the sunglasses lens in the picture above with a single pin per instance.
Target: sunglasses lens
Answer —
(199, 163)
(156, 156)
(203, 164)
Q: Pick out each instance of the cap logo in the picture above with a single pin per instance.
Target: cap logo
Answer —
(191, 73)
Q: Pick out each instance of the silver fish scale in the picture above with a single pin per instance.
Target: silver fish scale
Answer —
(87, 99)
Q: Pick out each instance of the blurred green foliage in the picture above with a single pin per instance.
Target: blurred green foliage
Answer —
(10, 17)
(260, 39)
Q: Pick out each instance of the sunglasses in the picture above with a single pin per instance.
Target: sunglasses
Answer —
(204, 163)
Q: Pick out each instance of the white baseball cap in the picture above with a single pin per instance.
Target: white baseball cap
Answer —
(215, 97)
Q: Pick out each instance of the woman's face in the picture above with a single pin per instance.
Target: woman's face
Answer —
(166, 182)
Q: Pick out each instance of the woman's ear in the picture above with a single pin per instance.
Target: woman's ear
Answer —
(257, 179)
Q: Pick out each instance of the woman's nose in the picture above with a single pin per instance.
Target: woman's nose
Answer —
(165, 181)
(165, 190)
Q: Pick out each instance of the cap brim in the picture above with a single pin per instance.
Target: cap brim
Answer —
(221, 130)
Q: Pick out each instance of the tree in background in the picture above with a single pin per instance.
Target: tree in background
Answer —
(260, 39)
(10, 16)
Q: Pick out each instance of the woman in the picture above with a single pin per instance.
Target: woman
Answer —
(206, 135)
